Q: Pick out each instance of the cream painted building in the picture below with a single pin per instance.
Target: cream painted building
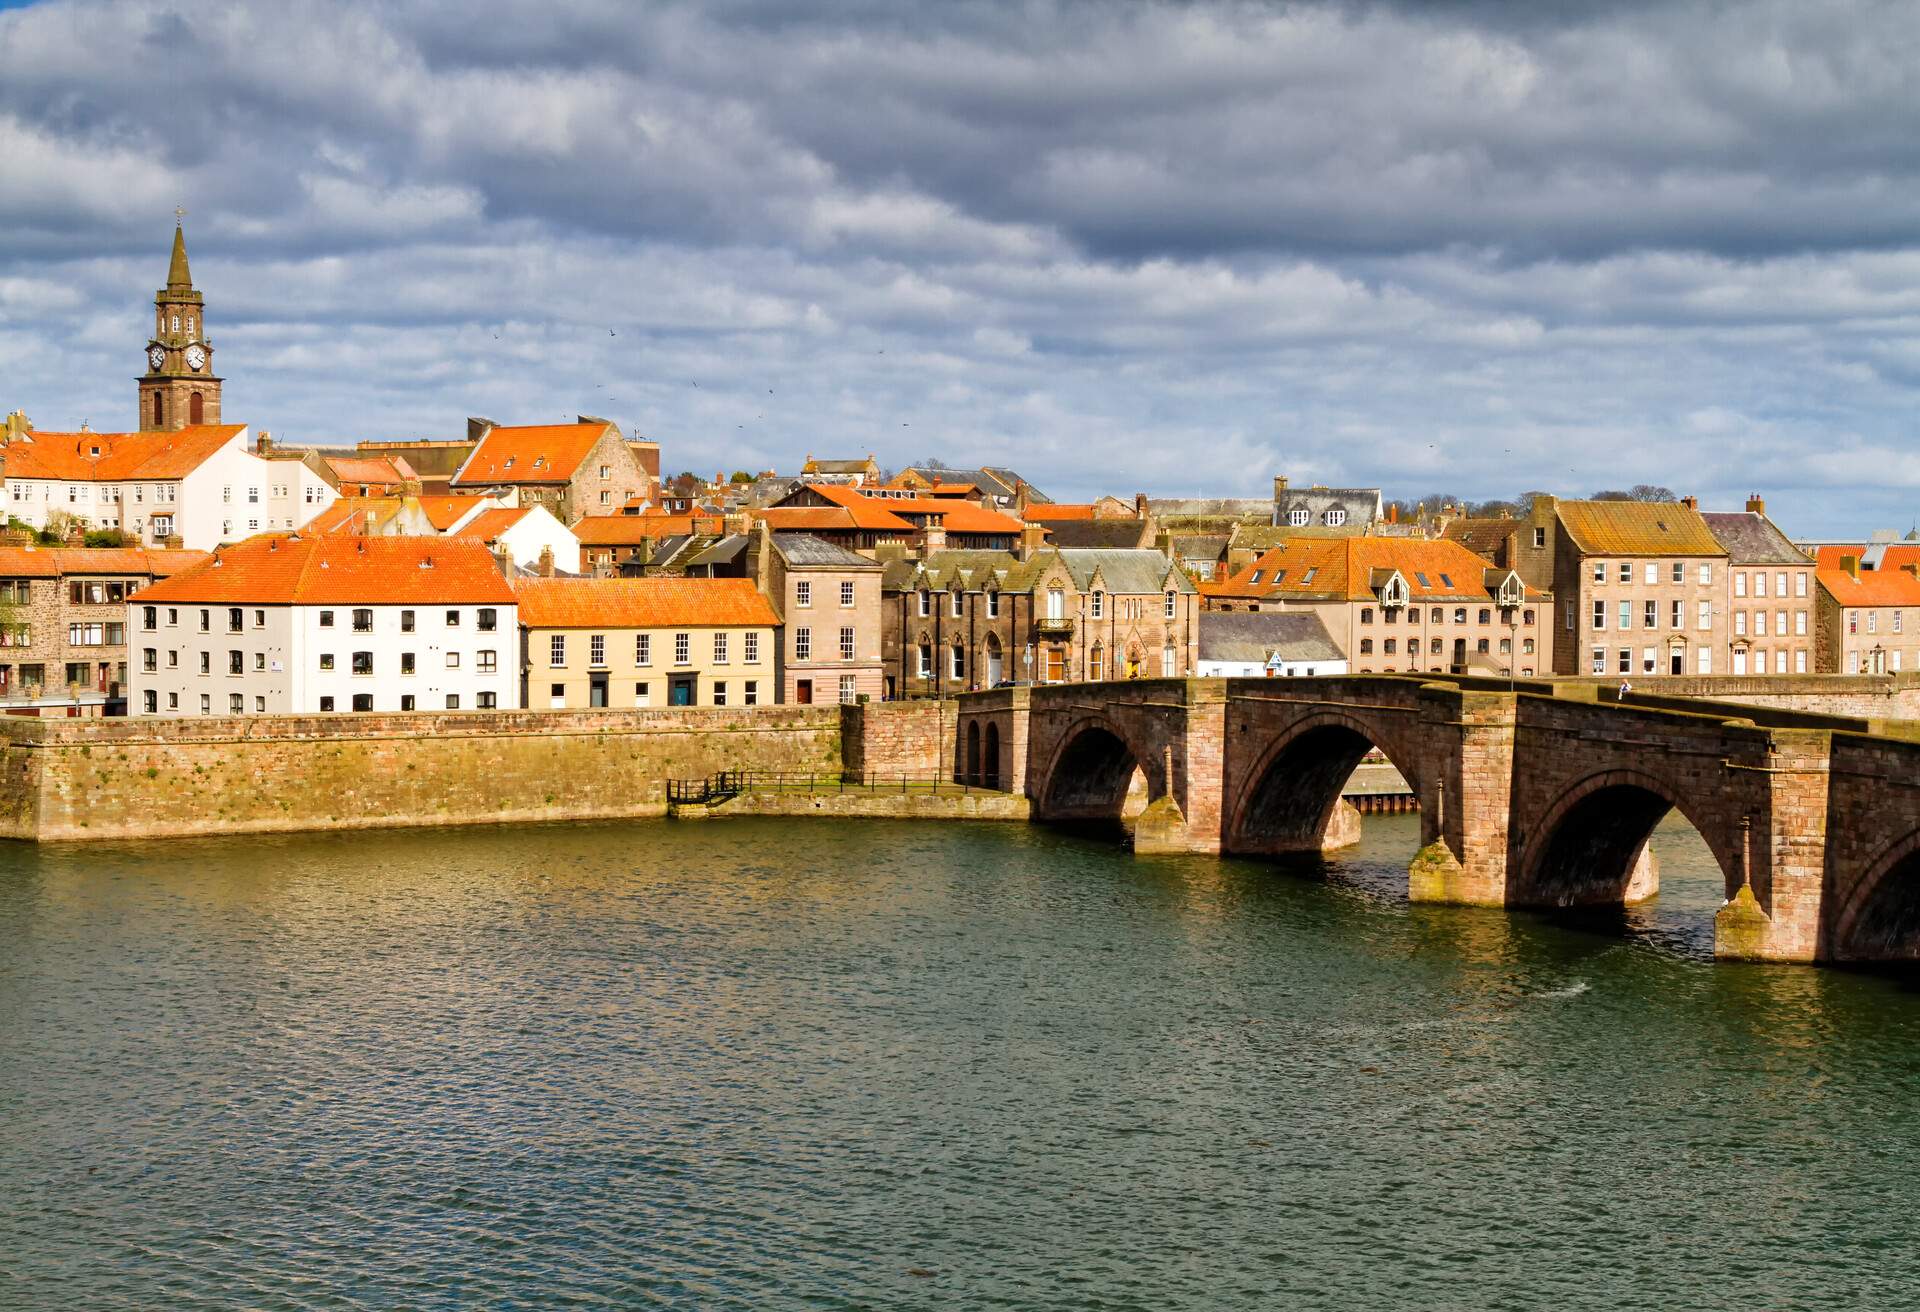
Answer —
(656, 641)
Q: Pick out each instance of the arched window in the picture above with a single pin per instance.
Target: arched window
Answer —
(159, 411)
(1389, 646)
(196, 409)
(926, 659)
(1096, 663)
(1169, 659)
(1459, 614)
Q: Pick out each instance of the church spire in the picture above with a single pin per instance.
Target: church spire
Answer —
(177, 274)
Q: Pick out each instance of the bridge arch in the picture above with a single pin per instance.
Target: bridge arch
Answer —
(1288, 801)
(1091, 771)
(1880, 919)
(1588, 846)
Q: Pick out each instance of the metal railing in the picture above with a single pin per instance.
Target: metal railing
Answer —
(731, 783)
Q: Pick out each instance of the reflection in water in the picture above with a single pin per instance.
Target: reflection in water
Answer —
(767, 1064)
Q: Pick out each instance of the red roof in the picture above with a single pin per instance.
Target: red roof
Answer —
(956, 515)
(349, 514)
(1042, 510)
(1891, 583)
(54, 562)
(444, 512)
(641, 603)
(628, 530)
(116, 457)
(383, 470)
(490, 524)
(539, 453)
(279, 569)
(1345, 568)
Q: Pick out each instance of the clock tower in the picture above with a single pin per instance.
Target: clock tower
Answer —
(179, 387)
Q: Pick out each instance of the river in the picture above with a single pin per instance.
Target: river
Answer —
(779, 1064)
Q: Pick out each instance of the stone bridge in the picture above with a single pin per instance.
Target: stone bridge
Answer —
(1529, 796)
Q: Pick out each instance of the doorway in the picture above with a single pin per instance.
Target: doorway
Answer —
(803, 692)
(597, 689)
(680, 689)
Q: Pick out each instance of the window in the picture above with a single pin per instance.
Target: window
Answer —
(489, 619)
(1459, 614)
(606, 498)
(406, 621)
(1056, 604)
(1704, 619)
(151, 700)
(453, 660)
(1653, 572)
(1096, 605)
(1438, 615)
(1480, 647)
(1626, 614)
(1435, 645)
(1759, 583)
(557, 650)
(406, 662)
(253, 496)
(1679, 614)
(803, 593)
(260, 662)
(236, 662)
(925, 662)
(453, 701)
(226, 493)
(363, 662)
(720, 693)
(846, 592)
(1389, 647)
(848, 693)
(1650, 614)
(1366, 646)
(846, 644)
(1626, 660)
(955, 599)
(363, 620)
(406, 701)
(259, 619)
(1760, 623)
(1335, 518)
(487, 662)
(1299, 518)
(720, 648)
(803, 644)
(682, 648)
(1706, 577)
(150, 658)
(206, 703)
(1648, 656)
(326, 660)
(752, 697)
(1704, 660)
(236, 703)
(926, 604)
(1169, 659)
(957, 662)
(173, 616)
(1173, 604)
(488, 701)
(149, 618)
(1599, 615)
(597, 649)
(1873, 621)
(206, 662)
(1599, 571)
(1740, 622)
(453, 619)
(642, 695)
(1486, 616)
(1799, 585)
(752, 644)
(993, 605)
(643, 649)
(173, 660)
(1679, 572)
(236, 619)
(1366, 614)
(326, 619)
(1740, 584)
(1566, 609)
(1800, 661)
(1799, 624)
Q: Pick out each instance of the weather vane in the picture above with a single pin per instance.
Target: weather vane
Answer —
(178, 214)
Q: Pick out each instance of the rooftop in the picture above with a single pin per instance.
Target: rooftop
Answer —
(292, 569)
(643, 603)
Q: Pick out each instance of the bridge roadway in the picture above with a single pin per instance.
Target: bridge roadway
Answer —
(1529, 796)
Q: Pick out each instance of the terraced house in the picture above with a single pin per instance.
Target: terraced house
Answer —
(959, 620)
(584, 468)
(647, 642)
(1401, 604)
(1642, 589)
(291, 624)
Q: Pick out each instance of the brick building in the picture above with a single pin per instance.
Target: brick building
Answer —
(584, 468)
(63, 621)
(1401, 604)
(828, 600)
(1642, 589)
(1867, 609)
(959, 620)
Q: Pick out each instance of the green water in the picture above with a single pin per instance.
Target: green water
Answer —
(766, 1064)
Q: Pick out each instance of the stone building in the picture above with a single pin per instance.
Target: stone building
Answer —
(1867, 609)
(1401, 604)
(291, 624)
(1642, 589)
(1329, 511)
(1770, 594)
(828, 600)
(646, 642)
(959, 620)
(574, 470)
(179, 388)
(1266, 644)
(63, 624)
(865, 520)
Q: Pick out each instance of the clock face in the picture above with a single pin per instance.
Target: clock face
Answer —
(156, 357)
(196, 357)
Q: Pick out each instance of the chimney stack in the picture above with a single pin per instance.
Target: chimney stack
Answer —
(1139, 505)
(1279, 486)
(1851, 564)
(1756, 504)
(1691, 503)
(545, 565)
(263, 443)
(1032, 538)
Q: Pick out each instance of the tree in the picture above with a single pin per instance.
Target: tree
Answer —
(1612, 494)
(1651, 492)
(106, 537)
(740, 476)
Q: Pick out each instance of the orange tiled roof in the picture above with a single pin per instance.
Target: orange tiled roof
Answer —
(370, 469)
(117, 457)
(349, 515)
(277, 569)
(490, 524)
(955, 515)
(1345, 569)
(444, 512)
(1889, 584)
(641, 603)
(537, 453)
(630, 530)
(1638, 528)
(54, 562)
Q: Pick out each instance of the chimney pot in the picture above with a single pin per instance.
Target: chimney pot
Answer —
(1756, 504)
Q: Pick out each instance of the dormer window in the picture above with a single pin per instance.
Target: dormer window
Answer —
(1336, 517)
(509, 463)
(1395, 592)
(1299, 518)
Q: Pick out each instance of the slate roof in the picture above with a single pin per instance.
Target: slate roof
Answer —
(999, 482)
(1638, 528)
(804, 549)
(1252, 636)
(1110, 534)
(1211, 508)
(1125, 571)
(1360, 507)
(1751, 539)
(1483, 537)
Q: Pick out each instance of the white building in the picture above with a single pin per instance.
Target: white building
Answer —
(1266, 644)
(284, 624)
(202, 483)
(524, 532)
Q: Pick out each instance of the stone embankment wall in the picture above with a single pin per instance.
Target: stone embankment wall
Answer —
(139, 778)
(908, 737)
(977, 805)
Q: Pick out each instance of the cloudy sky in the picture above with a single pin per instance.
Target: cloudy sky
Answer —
(1176, 246)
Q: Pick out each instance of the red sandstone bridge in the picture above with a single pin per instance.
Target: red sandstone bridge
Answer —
(1528, 798)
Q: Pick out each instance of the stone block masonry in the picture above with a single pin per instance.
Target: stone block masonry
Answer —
(910, 737)
(139, 778)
